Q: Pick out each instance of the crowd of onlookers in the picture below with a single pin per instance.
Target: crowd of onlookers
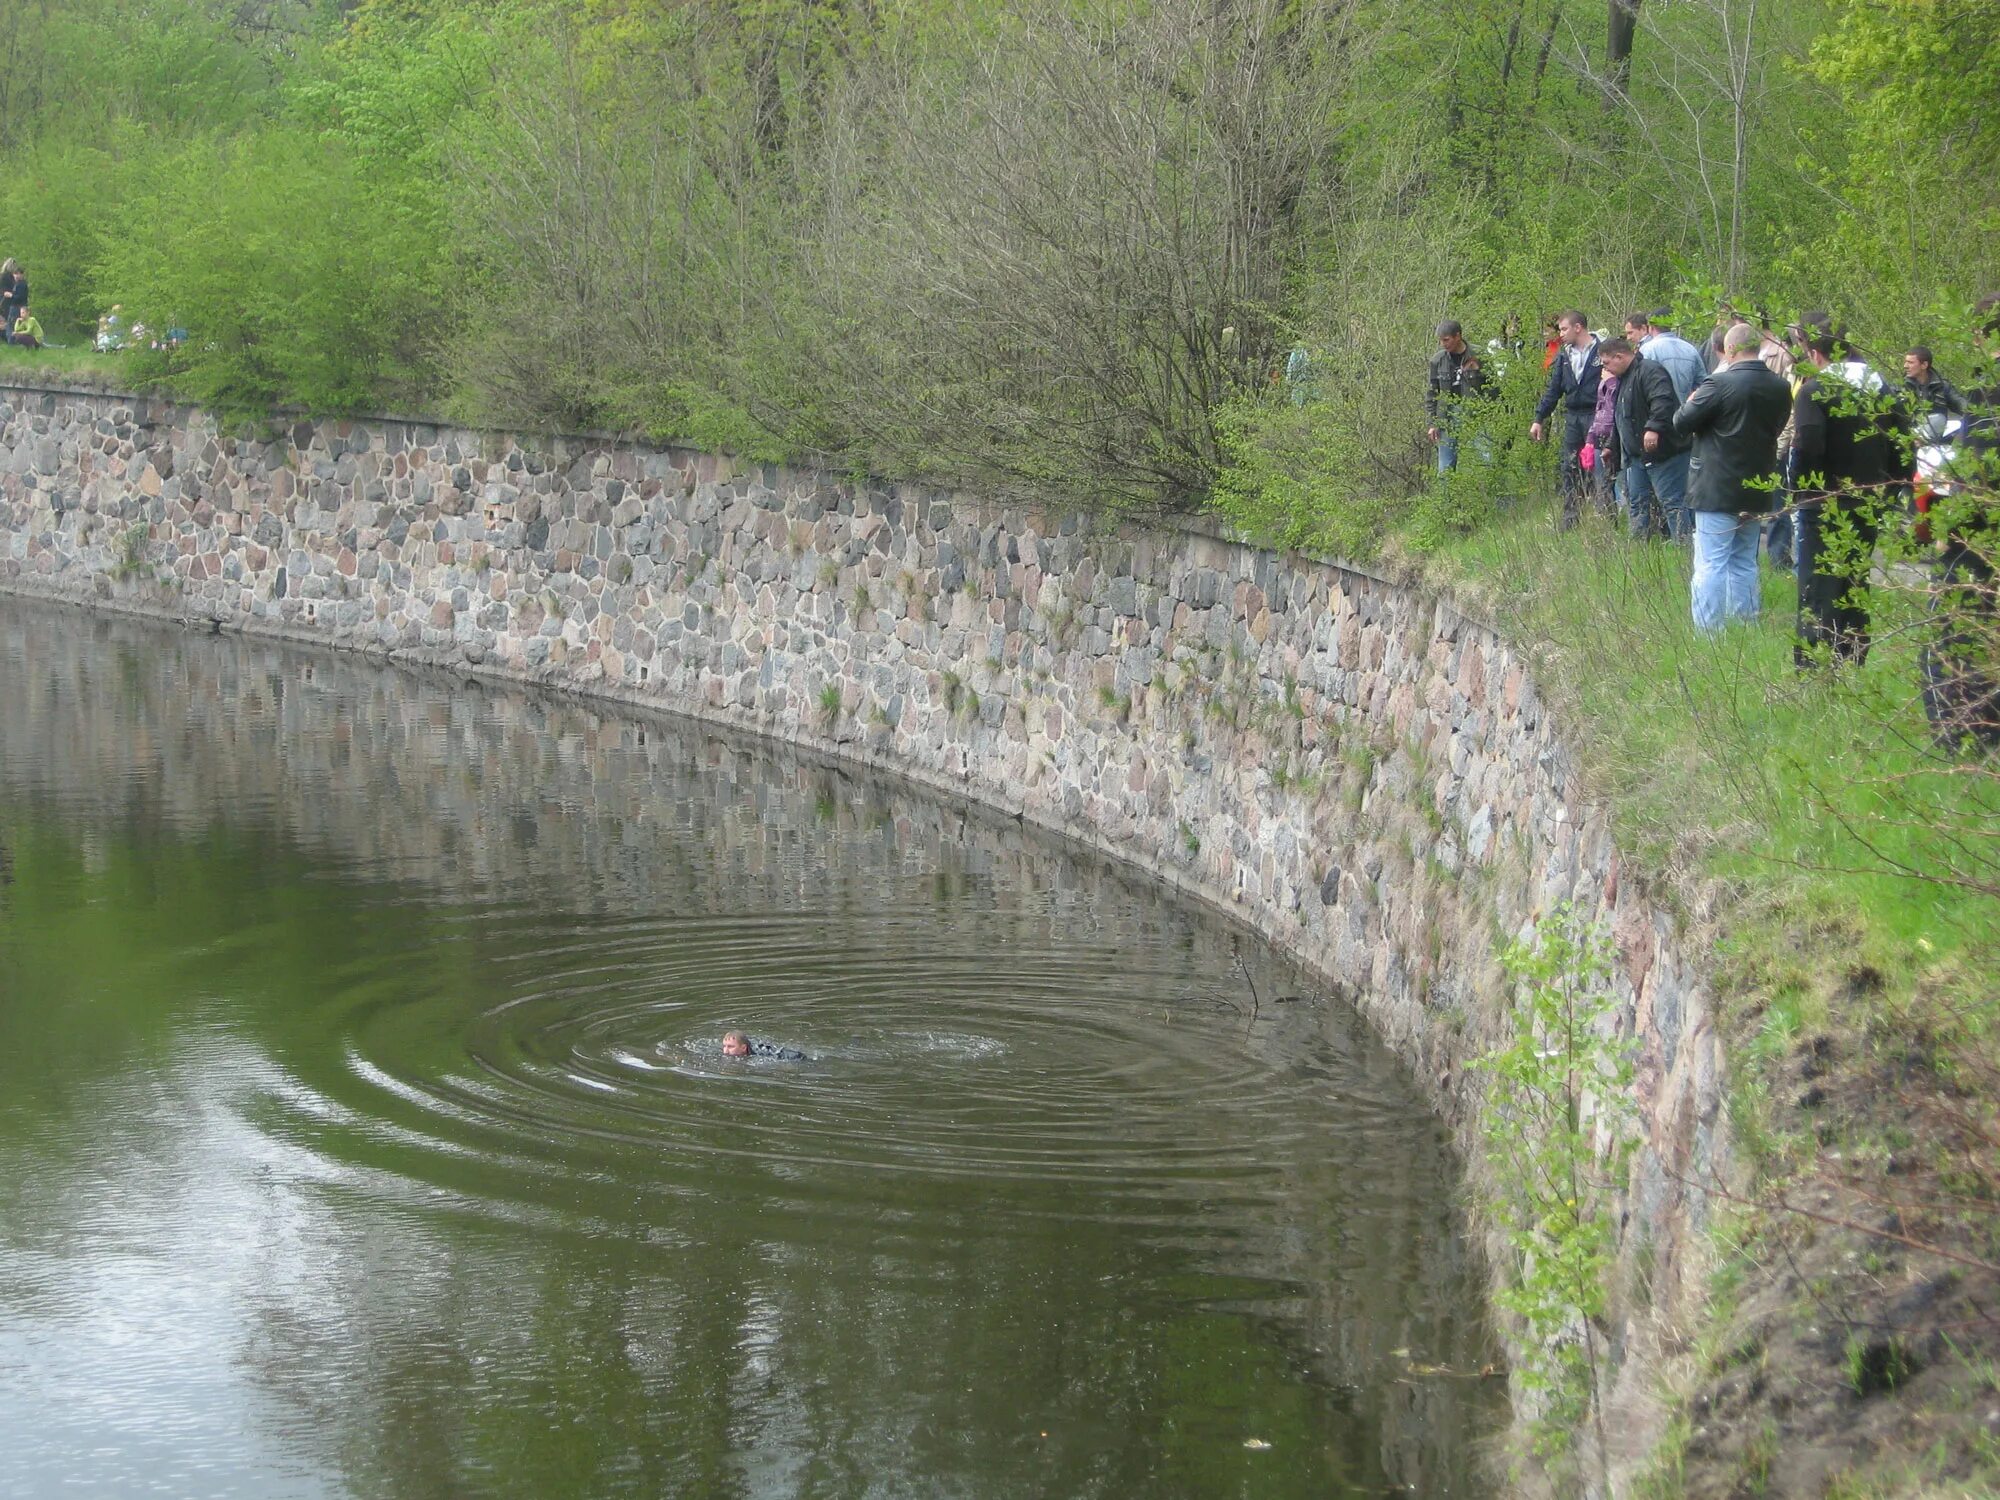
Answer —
(1785, 437)
(19, 325)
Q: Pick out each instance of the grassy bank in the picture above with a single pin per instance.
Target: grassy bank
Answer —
(1804, 823)
(60, 366)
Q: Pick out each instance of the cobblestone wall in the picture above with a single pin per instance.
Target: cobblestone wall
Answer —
(1361, 773)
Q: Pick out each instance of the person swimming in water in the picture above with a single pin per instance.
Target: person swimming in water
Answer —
(740, 1044)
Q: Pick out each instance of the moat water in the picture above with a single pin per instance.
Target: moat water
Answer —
(365, 1130)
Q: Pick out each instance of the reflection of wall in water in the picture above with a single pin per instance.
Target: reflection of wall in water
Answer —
(385, 774)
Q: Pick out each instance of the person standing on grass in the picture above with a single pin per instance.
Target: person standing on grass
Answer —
(1776, 351)
(1573, 378)
(1662, 346)
(1454, 377)
(1600, 458)
(1711, 347)
(1657, 489)
(1734, 418)
(13, 295)
(1930, 393)
(10, 279)
(1654, 455)
(1846, 437)
(1960, 668)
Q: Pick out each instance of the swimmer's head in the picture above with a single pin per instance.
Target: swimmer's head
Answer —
(735, 1044)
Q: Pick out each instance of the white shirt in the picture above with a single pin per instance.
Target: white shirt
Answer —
(1578, 355)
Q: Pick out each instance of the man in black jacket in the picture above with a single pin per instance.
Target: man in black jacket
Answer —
(1573, 376)
(1455, 377)
(1930, 393)
(1847, 437)
(1734, 417)
(1656, 456)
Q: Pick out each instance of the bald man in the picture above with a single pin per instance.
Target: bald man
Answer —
(1734, 417)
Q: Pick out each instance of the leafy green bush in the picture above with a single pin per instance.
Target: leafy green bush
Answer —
(293, 274)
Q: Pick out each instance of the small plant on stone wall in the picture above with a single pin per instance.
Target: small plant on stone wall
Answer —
(1559, 1130)
(131, 556)
(954, 690)
(829, 702)
(1290, 776)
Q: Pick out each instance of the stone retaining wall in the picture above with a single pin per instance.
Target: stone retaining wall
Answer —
(1363, 774)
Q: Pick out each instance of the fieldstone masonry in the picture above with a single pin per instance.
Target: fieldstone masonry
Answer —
(1363, 774)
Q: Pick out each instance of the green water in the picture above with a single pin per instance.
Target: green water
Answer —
(364, 1129)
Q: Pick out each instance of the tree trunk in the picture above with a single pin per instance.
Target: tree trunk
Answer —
(1621, 26)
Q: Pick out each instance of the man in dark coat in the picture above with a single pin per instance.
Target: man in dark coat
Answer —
(1573, 377)
(1930, 393)
(1847, 440)
(1656, 457)
(1961, 667)
(1455, 376)
(1734, 417)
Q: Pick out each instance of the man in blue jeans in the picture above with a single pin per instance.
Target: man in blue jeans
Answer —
(1734, 418)
(1664, 481)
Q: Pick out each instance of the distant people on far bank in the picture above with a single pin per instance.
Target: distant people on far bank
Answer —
(1456, 377)
(13, 296)
(111, 329)
(1733, 418)
(1573, 377)
(26, 332)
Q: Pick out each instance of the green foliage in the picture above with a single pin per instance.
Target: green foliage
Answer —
(783, 227)
(1911, 154)
(294, 276)
(1558, 1130)
(54, 198)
